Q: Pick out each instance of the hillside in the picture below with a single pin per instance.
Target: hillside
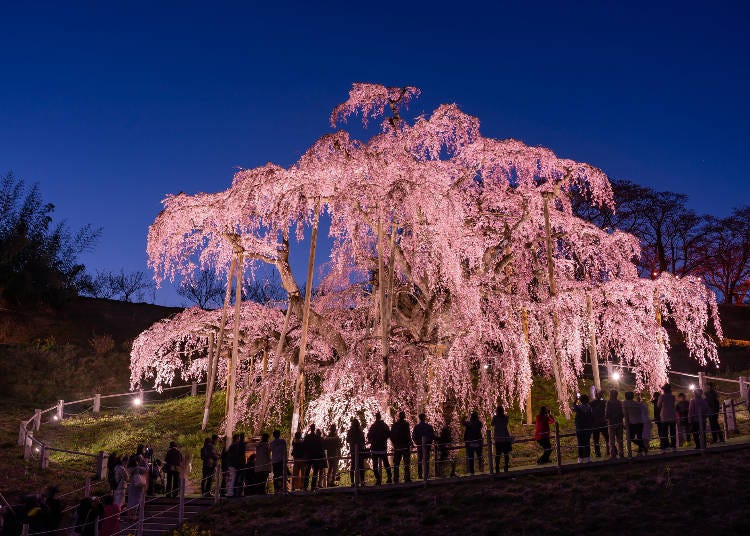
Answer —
(74, 352)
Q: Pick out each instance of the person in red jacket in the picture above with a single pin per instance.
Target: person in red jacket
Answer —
(542, 434)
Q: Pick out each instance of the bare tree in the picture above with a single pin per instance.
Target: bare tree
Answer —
(265, 289)
(203, 290)
(125, 285)
(726, 265)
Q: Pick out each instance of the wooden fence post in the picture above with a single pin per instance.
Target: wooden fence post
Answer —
(102, 464)
(59, 412)
(702, 381)
(489, 452)
(217, 482)
(22, 434)
(28, 444)
(37, 419)
(181, 511)
(44, 456)
(355, 462)
(558, 448)
(194, 389)
(87, 487)
(97, 403)
(627, 435)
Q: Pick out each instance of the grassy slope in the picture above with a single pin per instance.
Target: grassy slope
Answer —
(692, 495)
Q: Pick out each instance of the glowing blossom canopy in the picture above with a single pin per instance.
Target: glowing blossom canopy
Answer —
(439, 294)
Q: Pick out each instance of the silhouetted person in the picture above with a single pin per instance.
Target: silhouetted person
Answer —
(401, 440)
(541, 435)
(355, 438)
(172, 467)
(443, 441)
(423, 435)
(278, 459)
(502, 439)
(599, 416)
(262, 466)
(697, 412)
(584, 422)
(377, 436)
(683, 410)
(332, 444)
(614, 415)
(313, 445)
(234, 463)
(473, 441)
(209, 457)
(299, 463)
(714, 407)
(632, 411)
(668, 418)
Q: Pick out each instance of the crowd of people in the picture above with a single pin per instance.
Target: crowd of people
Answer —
(676, 420)
(264, 465)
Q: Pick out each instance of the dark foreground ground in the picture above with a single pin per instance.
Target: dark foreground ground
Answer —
(689, 495)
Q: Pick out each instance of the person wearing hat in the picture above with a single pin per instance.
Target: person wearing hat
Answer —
(172, 467)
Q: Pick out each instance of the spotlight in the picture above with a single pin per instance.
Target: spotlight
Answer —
(487, 366)
(137, 402)
(692, 387)
(616, 376)
(54, 417)
(36, 449)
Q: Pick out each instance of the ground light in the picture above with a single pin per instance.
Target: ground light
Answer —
(616, 376)
(137, 402)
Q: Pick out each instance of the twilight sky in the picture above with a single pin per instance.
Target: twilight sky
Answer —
(111, 105)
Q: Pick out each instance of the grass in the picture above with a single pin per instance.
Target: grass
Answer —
(690, 495)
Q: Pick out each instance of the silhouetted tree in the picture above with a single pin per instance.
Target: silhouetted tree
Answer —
(38, 259)
(726, 262)
(203, 289)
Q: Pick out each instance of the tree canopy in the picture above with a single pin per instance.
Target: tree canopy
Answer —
(459, 269)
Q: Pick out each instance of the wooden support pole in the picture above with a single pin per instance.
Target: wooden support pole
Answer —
(235, 355)
(194, 389)
(525, 326)
(97, 403)
(299, 387)
(702, 381)
(59, 409)
(562, 391)
(214, 356)
(593, 355)
(558, 448)
(37, 419)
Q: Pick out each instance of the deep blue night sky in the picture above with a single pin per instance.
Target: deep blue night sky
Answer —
(111, 105)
